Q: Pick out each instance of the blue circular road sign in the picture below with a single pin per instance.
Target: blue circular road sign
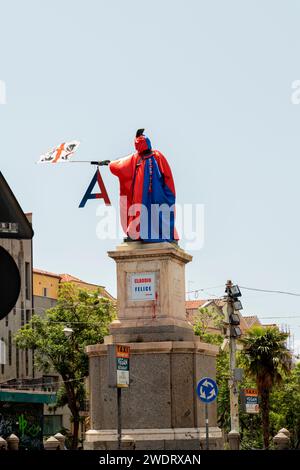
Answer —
(207, 390)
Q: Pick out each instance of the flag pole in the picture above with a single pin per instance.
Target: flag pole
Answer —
(86, 161)
(91, 162)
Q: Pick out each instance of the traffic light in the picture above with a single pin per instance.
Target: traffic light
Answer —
(235, 331)
(234, 319)
(234, 293)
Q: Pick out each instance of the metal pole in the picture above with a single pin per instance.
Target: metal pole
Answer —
(206, 426)
(233, 388)
(119, 395)
(234, 404)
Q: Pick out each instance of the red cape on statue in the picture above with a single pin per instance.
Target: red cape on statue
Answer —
(144, 179)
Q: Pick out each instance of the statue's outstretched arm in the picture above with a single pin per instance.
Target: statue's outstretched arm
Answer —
(101, 163)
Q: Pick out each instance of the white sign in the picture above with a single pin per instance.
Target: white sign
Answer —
(252, 408)
(122, 378)
(251, 400)
(143, 286)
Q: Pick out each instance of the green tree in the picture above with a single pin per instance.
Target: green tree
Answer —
(88, 315)
(266, 359)
(207, 317)
(285, 406)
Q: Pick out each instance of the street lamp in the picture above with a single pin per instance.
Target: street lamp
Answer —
(237, 305)
(233, 291)
(68, 332)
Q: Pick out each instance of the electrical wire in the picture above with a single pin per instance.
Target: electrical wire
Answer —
(271, 291)
(203, 289)
(41, 384)
(274, 318)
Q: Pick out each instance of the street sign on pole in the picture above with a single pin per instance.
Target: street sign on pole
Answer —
(207, 391)
(122, 353)
(250, 400)
(118, 377)
(118, 365)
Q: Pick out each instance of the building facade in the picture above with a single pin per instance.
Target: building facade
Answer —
(18, 364)
(46, 287)
(23, 386)
(193, 312)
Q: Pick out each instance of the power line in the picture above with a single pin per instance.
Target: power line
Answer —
(41, 383)
(203, 289)
(281, 316)
(271, 291)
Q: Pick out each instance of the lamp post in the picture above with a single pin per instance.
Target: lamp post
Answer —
(68, 332)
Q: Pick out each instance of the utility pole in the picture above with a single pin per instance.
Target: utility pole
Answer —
(233, 331)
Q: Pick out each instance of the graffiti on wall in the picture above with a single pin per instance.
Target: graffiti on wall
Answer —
(25, 420)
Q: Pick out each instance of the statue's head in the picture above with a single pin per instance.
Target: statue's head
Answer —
(142, 143)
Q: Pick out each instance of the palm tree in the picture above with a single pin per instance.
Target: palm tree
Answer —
(266, 359)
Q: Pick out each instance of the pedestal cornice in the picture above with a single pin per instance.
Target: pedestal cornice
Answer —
(139, 250)
(161, 347)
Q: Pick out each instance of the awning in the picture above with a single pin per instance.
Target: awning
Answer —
(27, 397)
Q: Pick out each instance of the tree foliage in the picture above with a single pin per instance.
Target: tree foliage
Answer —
(285, 406)
(207, 317)
(88, 315)
(266, 360)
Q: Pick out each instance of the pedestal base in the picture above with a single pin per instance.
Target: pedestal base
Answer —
(160, 409)
(149, 330)
(154, 439)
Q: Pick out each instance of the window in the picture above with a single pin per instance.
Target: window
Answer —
(45, 291)
(32, 358)
(27, 281)
(22, 317)
(6, 320)
(9, 348)
(17, 363)
(2, 352)
(52, 424)
(50, 382)
(26, 362)
(27, 316)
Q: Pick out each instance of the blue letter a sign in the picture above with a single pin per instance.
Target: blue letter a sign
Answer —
(97, 178)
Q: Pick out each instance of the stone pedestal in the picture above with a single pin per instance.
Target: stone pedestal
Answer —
(160, 409)
(161, 319)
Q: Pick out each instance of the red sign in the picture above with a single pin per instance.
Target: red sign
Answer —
(250, 392)
(123, 351)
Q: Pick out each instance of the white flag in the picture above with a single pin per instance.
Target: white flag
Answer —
(61, 153)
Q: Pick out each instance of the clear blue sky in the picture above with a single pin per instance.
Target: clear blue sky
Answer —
(210, 81)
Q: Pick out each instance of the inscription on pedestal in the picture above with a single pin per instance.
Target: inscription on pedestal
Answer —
(142, 286)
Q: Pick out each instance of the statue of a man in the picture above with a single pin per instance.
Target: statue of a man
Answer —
(147, 191)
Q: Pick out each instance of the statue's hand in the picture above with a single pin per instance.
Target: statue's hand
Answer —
(105, 162)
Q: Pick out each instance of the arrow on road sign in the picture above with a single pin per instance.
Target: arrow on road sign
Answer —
(207, 390)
